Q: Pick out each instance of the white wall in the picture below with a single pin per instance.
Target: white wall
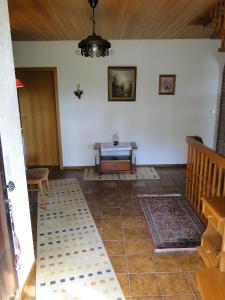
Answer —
(12, 146)
(159, 124)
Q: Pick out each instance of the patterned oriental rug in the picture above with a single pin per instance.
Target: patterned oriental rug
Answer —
(172, 223)
(72, 263)
(142, 173)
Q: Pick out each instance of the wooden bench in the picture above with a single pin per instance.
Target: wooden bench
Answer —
(38, 176)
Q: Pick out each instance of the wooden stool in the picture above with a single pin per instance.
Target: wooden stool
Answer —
(38, 176)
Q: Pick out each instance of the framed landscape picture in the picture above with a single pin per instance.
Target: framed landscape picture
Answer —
(122, 83)
(167, 84)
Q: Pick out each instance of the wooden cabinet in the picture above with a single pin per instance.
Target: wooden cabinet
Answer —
(115, 163)
(211, 280)
(212, 249)
(214, 211)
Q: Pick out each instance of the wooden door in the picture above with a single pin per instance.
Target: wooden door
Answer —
(38, 117)
(8, 282)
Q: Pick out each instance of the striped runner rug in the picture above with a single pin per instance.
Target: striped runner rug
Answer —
(72, 262)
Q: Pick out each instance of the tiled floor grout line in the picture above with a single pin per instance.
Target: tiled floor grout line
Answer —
(145, 226)
(157, 278)
(185, 275)
(149, 273)
(119, 240)
(125, 252)
(102, 199)
(177, 295)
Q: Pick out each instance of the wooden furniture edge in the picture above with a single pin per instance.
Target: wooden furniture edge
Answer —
(213, 239)
(133, 145)
(27, 281)
(215, 204)
(210, 282)
(97, 146)
(58, 122)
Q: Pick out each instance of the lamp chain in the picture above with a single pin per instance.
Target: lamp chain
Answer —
(93, 20)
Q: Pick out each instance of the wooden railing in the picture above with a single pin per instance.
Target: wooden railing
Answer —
(205, 174)
(218, 17)
(219, 23)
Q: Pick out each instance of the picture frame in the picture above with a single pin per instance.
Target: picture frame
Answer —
(122, 83)
(167, 84)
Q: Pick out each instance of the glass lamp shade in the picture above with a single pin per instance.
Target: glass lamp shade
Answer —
(94, 46)
(115, 139)
(19, 84)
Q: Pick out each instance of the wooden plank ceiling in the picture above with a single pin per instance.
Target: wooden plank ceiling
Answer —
(115, 19)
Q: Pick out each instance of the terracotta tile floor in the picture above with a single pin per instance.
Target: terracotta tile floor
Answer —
(143, 275)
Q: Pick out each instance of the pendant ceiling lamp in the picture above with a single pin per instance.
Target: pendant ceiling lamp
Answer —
(94, 45)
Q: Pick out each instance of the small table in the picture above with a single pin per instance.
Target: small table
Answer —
(106, 159)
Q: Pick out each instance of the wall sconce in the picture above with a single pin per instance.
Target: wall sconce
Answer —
(78, 92)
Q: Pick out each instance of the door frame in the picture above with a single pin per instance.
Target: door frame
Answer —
(7, 219)
(56, 94)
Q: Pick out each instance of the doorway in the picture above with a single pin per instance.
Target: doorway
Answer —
(39, 115)
(8, 277)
